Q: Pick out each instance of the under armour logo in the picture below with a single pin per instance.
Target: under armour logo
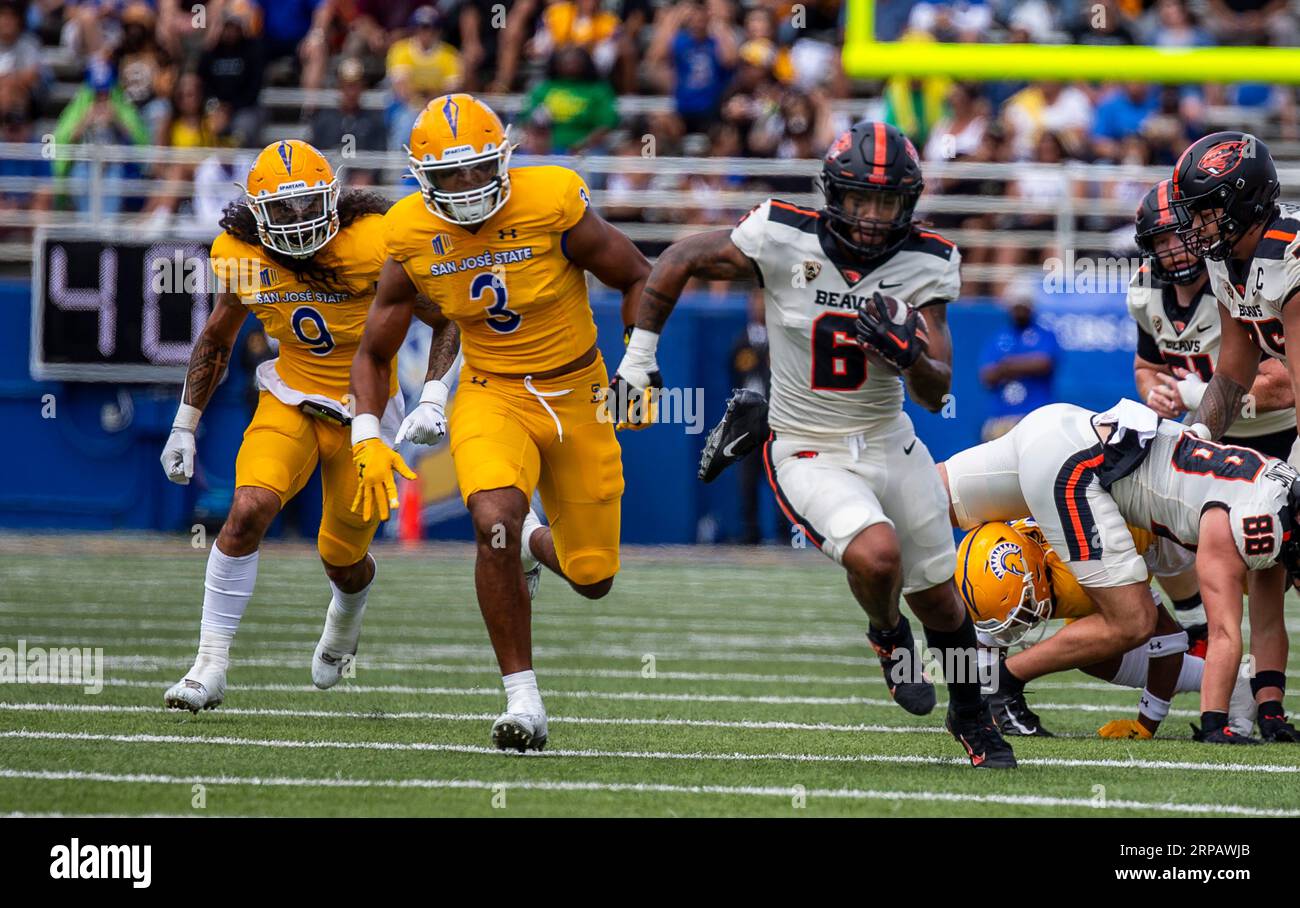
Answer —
(507, 233)
(475, 380)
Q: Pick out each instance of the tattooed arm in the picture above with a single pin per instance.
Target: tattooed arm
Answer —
(709, 255)
(211, 353)
(1235, 371)
(208, 361)
(427, 422)
(446, 338)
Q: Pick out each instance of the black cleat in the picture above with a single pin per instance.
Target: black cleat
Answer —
(743, 428)
(1277, 730)
(975, 731)
(1014, 717)
(1223, 735)
(909, 685)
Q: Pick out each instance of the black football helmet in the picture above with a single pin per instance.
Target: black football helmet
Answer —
(1289, 518)
(871, 157)
(1231, 173)
(1155, 216)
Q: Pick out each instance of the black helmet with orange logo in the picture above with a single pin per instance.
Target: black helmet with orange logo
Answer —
(1229, 178)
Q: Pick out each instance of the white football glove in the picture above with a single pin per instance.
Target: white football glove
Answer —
(427, 423)
(178, 454)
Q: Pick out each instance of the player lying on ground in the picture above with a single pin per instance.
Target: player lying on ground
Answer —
(305, 260)
(503, 254)
(1085, 478)
(1013, 583)
(843, 458)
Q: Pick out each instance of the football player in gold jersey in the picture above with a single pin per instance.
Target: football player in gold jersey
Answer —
(1013, 583)
(304, 257)
(503, 254)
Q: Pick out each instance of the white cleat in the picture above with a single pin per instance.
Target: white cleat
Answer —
(519, 731)
(1242, 706)
(199, 689)
(532, 567)
(328, 665)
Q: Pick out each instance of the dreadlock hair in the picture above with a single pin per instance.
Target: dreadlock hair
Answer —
(238, 221)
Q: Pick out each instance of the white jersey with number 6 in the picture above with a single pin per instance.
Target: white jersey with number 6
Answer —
(822, 383)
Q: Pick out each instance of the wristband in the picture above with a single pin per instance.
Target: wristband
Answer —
(435, 392)
(365, 426)
(187, 418)
(1191, 390)
(641, 346)
(627, 333)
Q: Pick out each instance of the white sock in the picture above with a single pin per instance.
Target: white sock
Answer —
(1133, 669)
(227, 587)
(344, 612)
(522, 695)
(531, 524)
(1189, 678)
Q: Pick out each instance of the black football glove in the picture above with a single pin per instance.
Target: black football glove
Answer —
(742, 429)
(899, 345)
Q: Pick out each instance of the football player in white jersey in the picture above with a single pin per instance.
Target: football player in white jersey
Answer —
(1225, 197)
(843, 459)
(1225, 191)
(1177, 319)
(1085, 477)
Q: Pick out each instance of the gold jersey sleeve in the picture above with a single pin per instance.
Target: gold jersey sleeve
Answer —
(519, 302)
(317, 329)
(1071, 600)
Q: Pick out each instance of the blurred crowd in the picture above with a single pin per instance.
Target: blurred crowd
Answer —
(719, 78)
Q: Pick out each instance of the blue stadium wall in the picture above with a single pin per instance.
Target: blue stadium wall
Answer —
(94, 465)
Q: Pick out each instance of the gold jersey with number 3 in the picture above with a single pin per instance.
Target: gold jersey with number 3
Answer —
(519, 302)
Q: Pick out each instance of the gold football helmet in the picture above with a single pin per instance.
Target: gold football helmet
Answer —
(460, 156)
(1002, 578)
(294, 196)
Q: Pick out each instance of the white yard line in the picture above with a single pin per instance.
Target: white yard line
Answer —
(348, 688)
(479, 717)
(851, 794)
(694, 756)
(142, 663)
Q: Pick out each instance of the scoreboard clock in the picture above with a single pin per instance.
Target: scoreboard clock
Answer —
(116, 309)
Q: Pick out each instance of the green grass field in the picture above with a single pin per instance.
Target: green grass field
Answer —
(711, 682)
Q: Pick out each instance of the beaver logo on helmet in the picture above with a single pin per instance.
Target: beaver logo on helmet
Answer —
(1223, 159)
(839, 146)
